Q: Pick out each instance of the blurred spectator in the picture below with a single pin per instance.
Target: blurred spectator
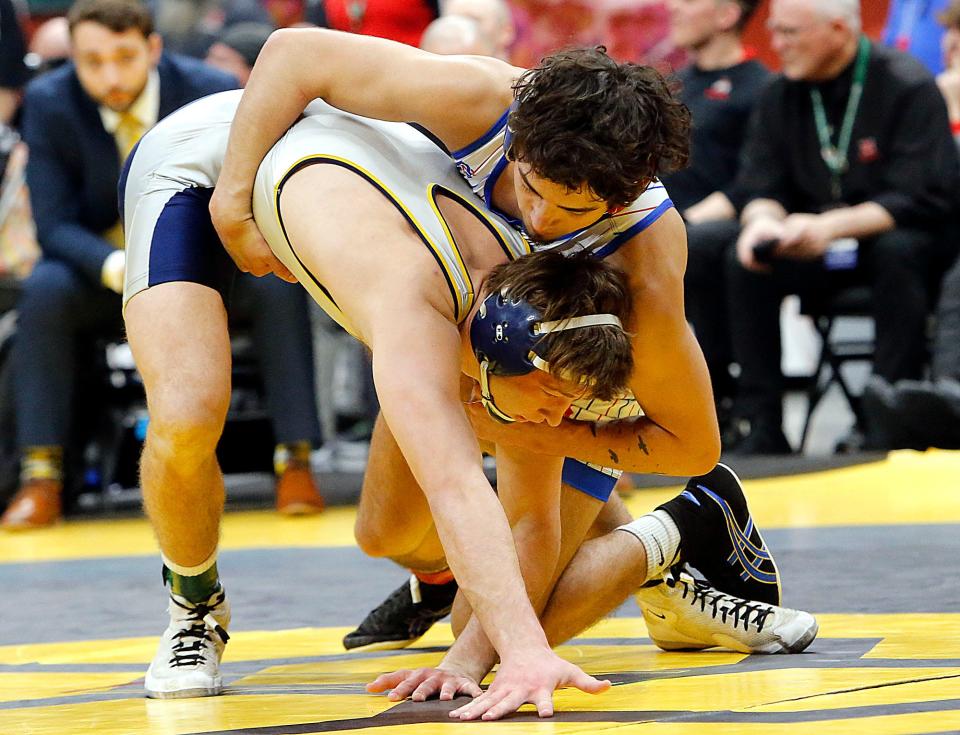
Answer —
(13, 71)
(191, 26)
(456, 34)
(237, 49)
(49, 46)
(80, 122)
(912, 27)
(920, 414)
(720, 86)
(949, 79)
(400, 20)
(494, 18)
(632, 30)
(851, 141)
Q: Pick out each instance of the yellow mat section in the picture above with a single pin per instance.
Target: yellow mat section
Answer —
(137, 715)
(901, 636)
(906, 488)
(274, 693)
(133, 537)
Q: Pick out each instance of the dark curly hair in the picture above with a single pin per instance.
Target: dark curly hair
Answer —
(562, 287)
(582, 118)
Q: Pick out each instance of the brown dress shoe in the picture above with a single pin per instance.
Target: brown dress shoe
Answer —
(297, 493)
(37, 504)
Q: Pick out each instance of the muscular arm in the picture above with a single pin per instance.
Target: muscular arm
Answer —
(458, 98)
(455, 97)
(419, 396)
(679, 433)
(529, 490)
(418, 391)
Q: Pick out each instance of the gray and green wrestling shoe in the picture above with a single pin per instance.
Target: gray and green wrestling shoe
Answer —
(719, 538)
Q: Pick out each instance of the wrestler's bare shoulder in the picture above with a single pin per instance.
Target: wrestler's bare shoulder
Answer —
(655, 259)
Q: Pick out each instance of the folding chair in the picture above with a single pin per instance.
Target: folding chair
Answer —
(835, 351)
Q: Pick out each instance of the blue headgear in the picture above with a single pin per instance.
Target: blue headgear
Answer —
(504, 332)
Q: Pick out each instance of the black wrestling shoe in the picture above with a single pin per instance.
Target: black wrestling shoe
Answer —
(718, 537)
(403, 617)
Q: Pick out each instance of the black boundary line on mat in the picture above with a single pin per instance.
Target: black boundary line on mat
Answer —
(423, 713)
(868, 687)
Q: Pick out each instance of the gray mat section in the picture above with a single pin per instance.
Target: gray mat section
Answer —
(840, 570)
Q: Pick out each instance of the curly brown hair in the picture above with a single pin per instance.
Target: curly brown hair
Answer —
(580, 118)
(562, 287)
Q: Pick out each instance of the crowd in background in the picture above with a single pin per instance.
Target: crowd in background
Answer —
(837, 170)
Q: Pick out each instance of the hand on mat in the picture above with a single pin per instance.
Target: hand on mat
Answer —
(422, 684)
(242, 239)
(528, 679)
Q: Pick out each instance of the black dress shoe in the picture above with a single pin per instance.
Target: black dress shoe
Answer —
(932, 411)
(759, 436)
(884, 419)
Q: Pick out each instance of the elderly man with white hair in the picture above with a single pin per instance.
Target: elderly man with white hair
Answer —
(851, 174)
(456, 34)
(493, 17)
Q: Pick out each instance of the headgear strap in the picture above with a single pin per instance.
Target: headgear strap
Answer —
(504, 334)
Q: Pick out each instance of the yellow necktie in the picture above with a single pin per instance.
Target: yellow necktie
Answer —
(128, 133)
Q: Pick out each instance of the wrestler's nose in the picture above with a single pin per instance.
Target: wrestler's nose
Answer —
(553, 413)
(541, 217)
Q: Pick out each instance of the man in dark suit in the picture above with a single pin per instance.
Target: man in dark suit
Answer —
(80, 123)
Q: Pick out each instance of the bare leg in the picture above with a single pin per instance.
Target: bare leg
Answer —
(178, 334)
(578, 512)
(393, 518)
(600, 576)
(612, 515)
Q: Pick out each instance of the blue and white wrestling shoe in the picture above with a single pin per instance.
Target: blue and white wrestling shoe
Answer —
(719, 538)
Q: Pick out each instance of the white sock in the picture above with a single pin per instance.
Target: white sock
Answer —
(660, 538)
(190, 571)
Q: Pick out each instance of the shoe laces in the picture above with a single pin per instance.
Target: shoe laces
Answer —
(734, 611)
(192, 639)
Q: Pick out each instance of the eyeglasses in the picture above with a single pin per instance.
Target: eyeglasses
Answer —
(789, 33)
